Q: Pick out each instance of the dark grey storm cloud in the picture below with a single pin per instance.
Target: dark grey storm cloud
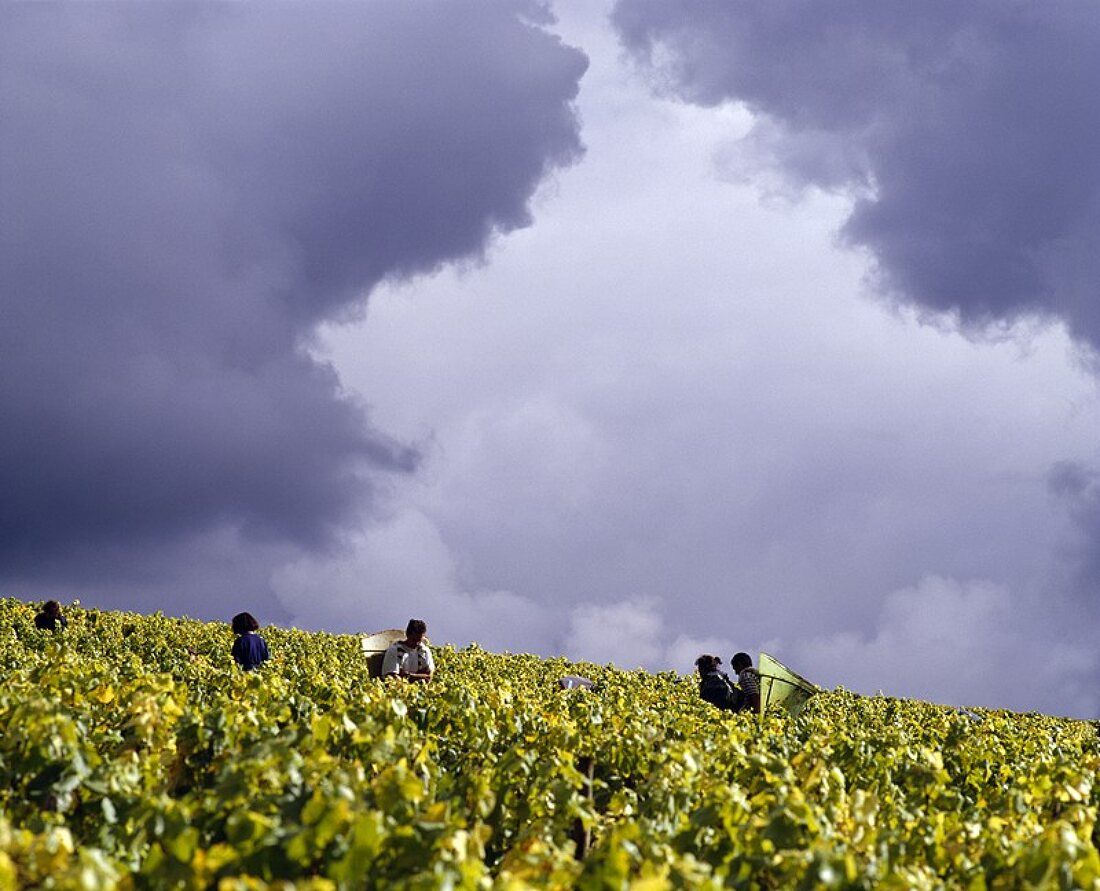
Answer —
(186, 191)
(966, 136)
(1077, 488)
(968, 133)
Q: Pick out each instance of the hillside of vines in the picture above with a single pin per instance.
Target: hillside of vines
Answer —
(135, 755)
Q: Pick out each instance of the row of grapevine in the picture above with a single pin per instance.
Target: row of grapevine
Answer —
(133, 754)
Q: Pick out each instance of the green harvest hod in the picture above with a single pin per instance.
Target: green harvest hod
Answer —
(781, 686)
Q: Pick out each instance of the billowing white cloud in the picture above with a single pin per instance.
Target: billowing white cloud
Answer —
(666, 419)
(403, 569)
(627, 633)
(961, 643)
(966, 140)
(679, 404)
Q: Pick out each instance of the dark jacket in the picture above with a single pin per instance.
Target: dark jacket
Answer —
(717, 689)
(48, 622)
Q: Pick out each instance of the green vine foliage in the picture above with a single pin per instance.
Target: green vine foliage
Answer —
(135, 755)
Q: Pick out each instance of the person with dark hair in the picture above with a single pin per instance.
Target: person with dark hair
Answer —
(249, 649)
(715, 686)
(748, 679)
(410, 658)
(50, 619)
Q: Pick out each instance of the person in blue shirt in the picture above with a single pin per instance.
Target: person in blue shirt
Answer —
(249, 649)
(50, 619)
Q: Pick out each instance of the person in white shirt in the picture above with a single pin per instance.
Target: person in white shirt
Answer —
(410, 658)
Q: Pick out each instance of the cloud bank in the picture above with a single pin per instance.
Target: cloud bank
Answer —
(967, 134)
(942, 640)
(966, 142)
(186, 192)
(666, 421)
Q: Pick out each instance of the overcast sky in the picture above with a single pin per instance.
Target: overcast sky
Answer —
(664, 328)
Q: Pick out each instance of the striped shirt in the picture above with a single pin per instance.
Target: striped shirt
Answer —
(748, 679)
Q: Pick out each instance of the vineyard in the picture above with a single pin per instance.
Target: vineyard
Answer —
(134, 754)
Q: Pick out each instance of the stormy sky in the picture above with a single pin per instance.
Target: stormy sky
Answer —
(622, 330)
